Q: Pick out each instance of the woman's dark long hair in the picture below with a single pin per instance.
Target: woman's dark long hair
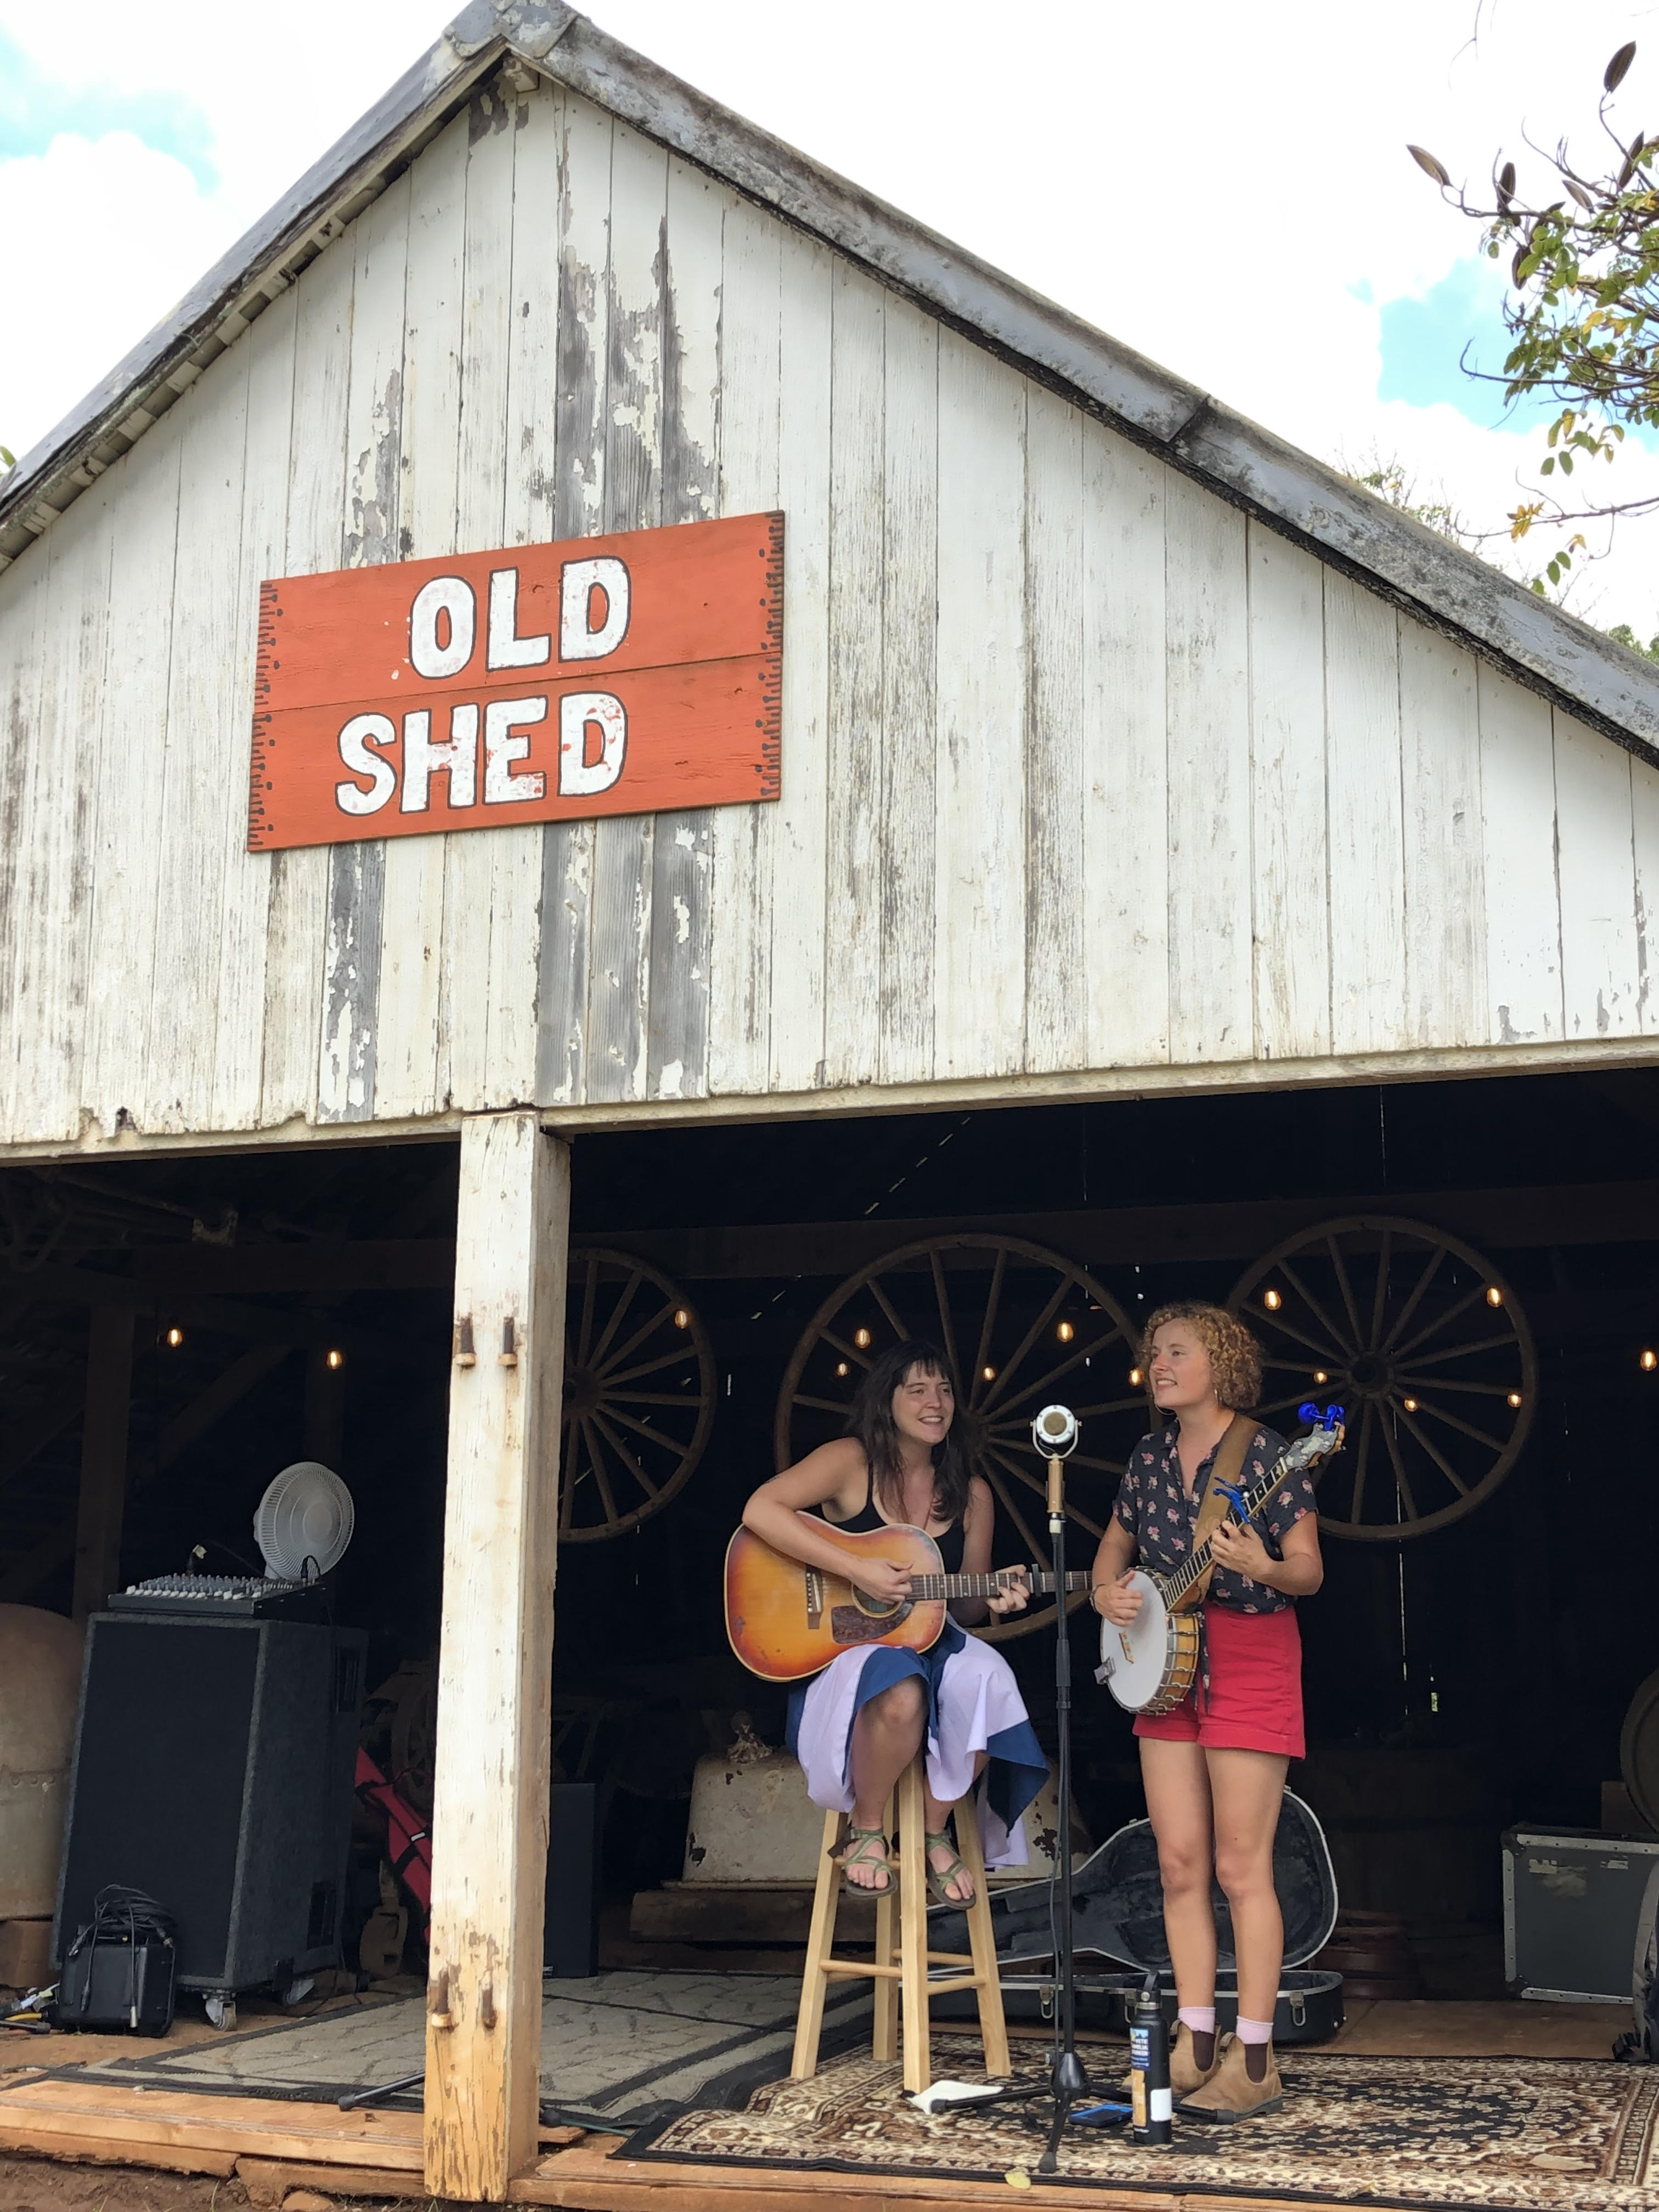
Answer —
(873, 1424)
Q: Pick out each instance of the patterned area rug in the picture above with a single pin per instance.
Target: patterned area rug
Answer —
(1524, 2135)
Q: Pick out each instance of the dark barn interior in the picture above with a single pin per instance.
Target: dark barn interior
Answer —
(1458, 1677)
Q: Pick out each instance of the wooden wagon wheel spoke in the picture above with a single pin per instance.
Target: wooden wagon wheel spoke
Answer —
(629, 1459)
(632, 1340)
(1410, 1291)
(1031, 1314)
(1435, 1454)
(1315, 1307)
(1416, 1298)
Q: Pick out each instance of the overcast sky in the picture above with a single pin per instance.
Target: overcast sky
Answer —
(1223, 185)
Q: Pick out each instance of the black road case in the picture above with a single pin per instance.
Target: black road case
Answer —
(1572, 1897)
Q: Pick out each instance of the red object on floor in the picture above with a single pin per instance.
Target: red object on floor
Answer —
(409, 1844)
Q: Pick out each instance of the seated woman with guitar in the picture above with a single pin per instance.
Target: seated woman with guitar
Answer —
(857, 1725)
(1214, 1766)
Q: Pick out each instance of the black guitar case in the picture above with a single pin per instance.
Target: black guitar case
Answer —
(1117, 1918)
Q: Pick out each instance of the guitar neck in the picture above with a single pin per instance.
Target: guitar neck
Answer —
(991, 1585)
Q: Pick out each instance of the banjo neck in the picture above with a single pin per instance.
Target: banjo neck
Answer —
(1291, 1461)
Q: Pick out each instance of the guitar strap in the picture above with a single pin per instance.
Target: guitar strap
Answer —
(1224, 1471)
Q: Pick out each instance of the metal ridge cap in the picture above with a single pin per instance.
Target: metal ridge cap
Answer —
(447, 69)
(1611, 687)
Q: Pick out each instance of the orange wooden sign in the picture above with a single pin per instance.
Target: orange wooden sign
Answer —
(623, 675)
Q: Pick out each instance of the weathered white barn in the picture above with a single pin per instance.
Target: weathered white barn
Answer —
(1125, 750)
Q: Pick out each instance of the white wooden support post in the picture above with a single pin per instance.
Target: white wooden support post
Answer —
(495, 1672)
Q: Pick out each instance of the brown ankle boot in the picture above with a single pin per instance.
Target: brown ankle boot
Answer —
(1229, 2094)
(1186, 2075)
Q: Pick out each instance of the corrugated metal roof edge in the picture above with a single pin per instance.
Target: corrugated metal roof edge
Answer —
(1551, 651)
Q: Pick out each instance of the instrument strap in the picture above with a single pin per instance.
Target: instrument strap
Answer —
(1224, 1471)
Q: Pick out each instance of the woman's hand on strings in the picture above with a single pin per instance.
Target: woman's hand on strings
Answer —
(884, 1580)
(1238, 1546)
(1116, 1601)
(1013, 1593)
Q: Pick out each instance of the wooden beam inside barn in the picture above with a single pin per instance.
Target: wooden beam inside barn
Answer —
(495, 1688)
(103, 1457)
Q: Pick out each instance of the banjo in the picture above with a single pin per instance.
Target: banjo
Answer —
(1150, 1665)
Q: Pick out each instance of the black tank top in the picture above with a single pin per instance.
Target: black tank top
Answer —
(950, 1540)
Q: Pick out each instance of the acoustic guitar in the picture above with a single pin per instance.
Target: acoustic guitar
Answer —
(786, 1620)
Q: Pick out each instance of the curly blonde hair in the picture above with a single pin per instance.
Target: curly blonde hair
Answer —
(1235, 1355)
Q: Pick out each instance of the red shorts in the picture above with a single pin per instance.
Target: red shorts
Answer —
(1256, 1687)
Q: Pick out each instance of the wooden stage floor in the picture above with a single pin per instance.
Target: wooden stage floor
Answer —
(274, 2145)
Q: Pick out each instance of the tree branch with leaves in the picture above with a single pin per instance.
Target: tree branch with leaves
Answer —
(1582, 309)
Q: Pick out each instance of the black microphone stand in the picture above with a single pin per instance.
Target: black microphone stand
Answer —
(1068, 2081)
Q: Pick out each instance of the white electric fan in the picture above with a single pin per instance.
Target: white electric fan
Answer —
(304, 1523)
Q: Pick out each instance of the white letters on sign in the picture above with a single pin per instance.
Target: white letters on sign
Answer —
(579, 778)
(449, 600)
(458, 760)
(362, 732)
(506, 648)
(581, 585)
(502, 747)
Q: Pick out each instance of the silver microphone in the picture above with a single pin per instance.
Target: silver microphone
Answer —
(1054, 1432)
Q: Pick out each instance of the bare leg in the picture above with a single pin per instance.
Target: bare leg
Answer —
(886, 1737)
(1178, 1801)
(1248, 1788)
(960, 1886)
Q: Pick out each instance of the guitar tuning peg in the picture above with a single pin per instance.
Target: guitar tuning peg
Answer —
(1308, 1412)
(1335, 1415)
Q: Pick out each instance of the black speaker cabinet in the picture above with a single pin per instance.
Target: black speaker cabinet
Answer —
(214, 1762)
(570, 1932)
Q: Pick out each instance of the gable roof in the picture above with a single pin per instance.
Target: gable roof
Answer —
(1551, 651)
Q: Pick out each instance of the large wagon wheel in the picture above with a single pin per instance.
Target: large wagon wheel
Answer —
(639, 1395)
(1022, 1327)
(1423, 1342)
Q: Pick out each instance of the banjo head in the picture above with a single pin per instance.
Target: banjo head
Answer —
(1134, 1660)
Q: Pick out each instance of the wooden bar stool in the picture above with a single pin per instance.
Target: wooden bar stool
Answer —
(901, 1967)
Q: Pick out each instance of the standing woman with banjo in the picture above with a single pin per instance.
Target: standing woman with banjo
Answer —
(1214, 1765)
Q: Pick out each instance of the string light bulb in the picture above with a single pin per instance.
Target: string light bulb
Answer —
(1272, 1300)
(681, 1318)
(1649, 1361)
(1066, 1332)
(843, 1369)
(175, 1337)
(1494, 1295)
(1515, 1398)
(989, 1373)
(1135, 1378)
(1319, 1376)
(334, 1358)
(1410, 1404)
(861, 1338)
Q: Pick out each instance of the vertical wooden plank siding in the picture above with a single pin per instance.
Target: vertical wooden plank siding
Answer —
(470, 860)
(578, 510)
(23, 626)
(490, 1811)
(126, 873)
(740, 953)
(784, 1022)
(619, 973)
(1125, 984)
(407, 1078)
(53, 840)
(199, 714)
(1517, 828)
(1056, 1009)
(299, 880)
(979, 923)
(1210, 963)
(244, 931)
(852, 979)
(688, 272)
(1293, 932)
(1367, 857)
(1644, 824)
(909, 619)
(1440, 781)
(1595, 839)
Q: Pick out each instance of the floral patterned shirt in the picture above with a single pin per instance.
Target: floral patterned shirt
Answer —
(1156, 1510)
